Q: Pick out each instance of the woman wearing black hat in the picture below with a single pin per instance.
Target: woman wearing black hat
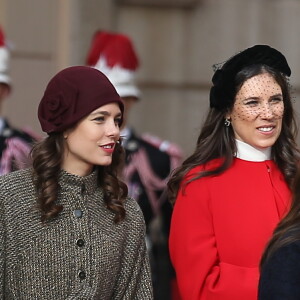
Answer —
(234, 189)
(67, 228)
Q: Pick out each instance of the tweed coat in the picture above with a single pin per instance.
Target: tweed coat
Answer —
(81, 254)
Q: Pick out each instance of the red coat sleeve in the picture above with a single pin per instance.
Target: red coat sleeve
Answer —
(192, 242)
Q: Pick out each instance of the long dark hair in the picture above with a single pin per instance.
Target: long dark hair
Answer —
(47, 156)
(288, 229)
(217, 140)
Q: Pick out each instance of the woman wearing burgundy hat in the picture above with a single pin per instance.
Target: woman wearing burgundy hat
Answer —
(67, 228)
(235, 188)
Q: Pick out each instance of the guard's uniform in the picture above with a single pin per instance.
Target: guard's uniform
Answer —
(149, 160)
(15, 146)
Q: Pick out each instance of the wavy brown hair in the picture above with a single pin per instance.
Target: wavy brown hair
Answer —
(47, 157)
(218, 141)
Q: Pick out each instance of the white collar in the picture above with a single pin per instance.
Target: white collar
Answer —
(247, 152)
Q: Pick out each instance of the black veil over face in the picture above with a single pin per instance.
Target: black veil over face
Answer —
(222, 92)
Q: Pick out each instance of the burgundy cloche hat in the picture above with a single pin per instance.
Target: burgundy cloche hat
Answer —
(72, 94)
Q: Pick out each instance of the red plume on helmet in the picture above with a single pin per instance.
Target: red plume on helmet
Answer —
(4, 60)
(116, 48)
(2, 38)
(114, 55)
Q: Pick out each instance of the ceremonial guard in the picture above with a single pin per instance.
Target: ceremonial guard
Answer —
(149, 159)
(15, 144)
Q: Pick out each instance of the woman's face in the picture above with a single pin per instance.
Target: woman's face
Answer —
(92, 141)
(256, 117)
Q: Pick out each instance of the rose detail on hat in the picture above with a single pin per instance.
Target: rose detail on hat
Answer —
(56, 106)
(72, 94)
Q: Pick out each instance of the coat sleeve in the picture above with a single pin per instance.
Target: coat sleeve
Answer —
(192, 242)
(134, 282)
(280, 275)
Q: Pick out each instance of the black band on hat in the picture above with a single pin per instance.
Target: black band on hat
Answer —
(222, 92)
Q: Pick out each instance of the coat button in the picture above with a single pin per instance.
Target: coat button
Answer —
(81, 275)
(80, 242)
(78, 213)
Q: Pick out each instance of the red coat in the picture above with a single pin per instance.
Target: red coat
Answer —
(220, 226)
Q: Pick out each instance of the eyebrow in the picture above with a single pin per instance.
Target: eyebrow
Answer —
(104, 113)
(251, 98)
(277, 95)
(256, 98)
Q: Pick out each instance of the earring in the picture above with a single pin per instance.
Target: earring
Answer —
(227, 122)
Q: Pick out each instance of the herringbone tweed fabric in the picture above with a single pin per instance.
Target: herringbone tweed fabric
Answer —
(81, 254)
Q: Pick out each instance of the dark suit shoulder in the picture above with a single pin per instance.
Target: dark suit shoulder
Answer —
(12, 132)
(22, 135)
(136, 142)
(153, 150)
(160, 161)
(280, 275)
